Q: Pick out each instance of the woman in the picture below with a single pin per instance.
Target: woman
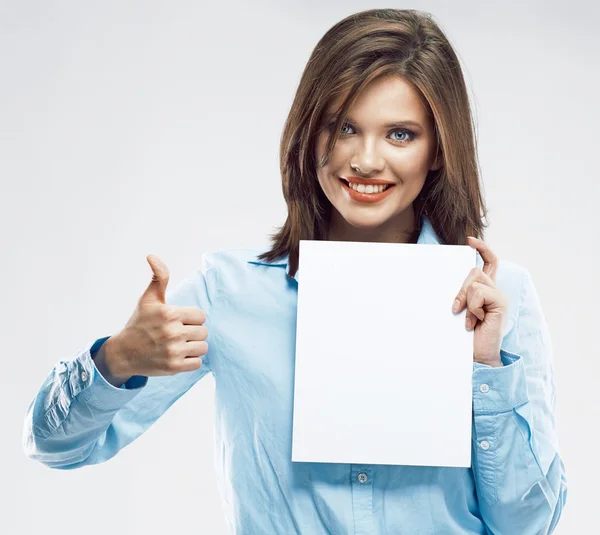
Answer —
(378, 146)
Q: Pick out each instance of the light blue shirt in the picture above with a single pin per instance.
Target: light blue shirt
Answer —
(516, 485)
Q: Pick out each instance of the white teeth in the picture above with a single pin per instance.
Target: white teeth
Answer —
(362, 188)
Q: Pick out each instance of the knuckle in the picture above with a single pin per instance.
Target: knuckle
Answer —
(170, 333)
(169, 313)
(171, 368)
(476, 272)
(174, 366)
(201, 316)
(171, 352)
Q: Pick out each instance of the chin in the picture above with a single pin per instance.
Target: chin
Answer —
(364, 220)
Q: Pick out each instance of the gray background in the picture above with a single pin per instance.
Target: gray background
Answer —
(130, 128)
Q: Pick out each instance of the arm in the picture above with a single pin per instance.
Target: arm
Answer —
(519, 474)
(79, 418)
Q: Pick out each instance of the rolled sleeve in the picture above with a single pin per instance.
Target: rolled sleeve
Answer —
(97, 391)
(500, 389)
(78, 418)
(136, 381)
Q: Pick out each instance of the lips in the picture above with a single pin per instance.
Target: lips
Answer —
(367, 197)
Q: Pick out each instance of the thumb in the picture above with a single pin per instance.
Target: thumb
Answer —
(160, 278)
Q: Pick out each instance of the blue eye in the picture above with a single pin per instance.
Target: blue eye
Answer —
(409, 135)
(346, 124)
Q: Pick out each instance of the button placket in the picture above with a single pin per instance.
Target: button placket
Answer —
(362, 499)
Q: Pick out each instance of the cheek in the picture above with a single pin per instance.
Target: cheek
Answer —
(412, 165)
(334, 164)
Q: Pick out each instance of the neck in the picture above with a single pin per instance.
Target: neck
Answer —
(400, 229)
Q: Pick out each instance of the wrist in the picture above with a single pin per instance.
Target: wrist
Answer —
(110, 362)
(494, 363)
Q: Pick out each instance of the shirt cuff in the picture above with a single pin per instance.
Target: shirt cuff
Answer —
(136, 381)
(99, 393)
(499, 389)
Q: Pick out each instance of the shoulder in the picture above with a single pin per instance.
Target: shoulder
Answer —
(225, 258)
(235, 259)
(233, 267)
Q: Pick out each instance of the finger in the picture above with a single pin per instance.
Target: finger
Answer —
(190, 364)
(191, 315)
(490, 259)
(160, 279)
(479, 294)
(475, 275)
(482, 299)
(196, 349)
(470, 320)
(195, 333)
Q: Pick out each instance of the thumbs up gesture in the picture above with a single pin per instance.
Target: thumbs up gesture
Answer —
(158, 339)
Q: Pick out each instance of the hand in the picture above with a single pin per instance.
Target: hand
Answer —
(159, 339)
(487, 307)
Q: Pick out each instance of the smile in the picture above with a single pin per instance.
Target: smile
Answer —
(367, 192)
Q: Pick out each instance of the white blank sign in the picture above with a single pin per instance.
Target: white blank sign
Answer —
(383, 369)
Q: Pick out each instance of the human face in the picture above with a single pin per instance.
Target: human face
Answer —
(399, 155)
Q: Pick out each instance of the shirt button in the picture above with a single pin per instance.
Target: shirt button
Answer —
(362, 477)
(484, 388)
(84, 375)
(485, 444)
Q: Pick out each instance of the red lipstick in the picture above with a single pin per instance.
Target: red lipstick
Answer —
(367, 197)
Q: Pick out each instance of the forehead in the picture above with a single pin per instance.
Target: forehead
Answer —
(387, 95)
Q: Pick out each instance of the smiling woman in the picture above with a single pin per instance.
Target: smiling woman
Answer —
(378, 146)
(383, 154)
(382, 97)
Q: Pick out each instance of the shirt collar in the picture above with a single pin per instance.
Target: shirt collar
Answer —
(427, 235)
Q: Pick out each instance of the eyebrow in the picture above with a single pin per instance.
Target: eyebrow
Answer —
(387, 125)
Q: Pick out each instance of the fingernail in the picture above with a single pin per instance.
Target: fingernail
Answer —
(468, 324)
(455, 305)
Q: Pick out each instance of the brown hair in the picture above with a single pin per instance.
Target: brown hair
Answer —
(355, 51)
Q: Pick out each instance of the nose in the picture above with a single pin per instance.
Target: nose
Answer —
(366, 161)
